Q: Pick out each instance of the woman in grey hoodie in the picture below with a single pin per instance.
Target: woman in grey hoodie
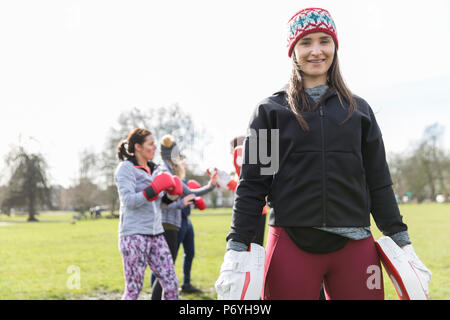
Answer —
(142, 186)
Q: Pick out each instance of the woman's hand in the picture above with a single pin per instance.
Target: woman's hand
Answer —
(187, 200)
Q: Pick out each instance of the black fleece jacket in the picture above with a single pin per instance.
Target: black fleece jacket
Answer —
(330, 176)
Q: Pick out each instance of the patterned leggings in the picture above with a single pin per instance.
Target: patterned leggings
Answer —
(137, 252)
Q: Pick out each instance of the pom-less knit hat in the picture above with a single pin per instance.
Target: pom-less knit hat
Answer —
(307, 21)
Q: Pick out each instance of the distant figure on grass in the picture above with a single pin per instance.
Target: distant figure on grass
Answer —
(186, 235)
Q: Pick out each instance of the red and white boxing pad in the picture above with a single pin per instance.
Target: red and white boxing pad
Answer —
(224, 181)
(237, 159)
(410, 282)
(241, 274)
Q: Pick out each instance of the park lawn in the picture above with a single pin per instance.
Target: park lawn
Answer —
(35, 257)
(429, 230)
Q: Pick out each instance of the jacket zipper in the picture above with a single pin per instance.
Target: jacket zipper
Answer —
(324, 217)
(154, 218)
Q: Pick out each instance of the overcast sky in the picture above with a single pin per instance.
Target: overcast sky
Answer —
(69, 68)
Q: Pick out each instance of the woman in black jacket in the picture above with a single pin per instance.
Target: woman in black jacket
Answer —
(327, 172)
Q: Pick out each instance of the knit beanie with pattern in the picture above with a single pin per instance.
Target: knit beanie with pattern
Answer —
(307, 21)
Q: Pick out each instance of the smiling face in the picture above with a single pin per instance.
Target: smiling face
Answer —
(147, 149)
(314, 53)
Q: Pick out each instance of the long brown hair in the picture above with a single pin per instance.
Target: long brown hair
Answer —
(178, 168)
(125, 148)
(296, 93)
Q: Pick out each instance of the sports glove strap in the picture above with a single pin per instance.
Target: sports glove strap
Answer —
(149, 193)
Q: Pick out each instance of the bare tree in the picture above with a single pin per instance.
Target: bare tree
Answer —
(84, 194)
(88, 165)
(160, 121)
(425, 170)
(107, 165)
(3, 193)
(432, 136)
(164, 120)
(28, 186)
(396, 166)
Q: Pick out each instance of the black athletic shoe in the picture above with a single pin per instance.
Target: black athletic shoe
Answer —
(189, 288)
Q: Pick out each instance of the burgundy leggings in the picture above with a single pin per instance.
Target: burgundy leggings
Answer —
(351, 273)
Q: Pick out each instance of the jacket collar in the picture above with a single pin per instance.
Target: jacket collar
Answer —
(328, 94)
(151, 164)
(282, 90)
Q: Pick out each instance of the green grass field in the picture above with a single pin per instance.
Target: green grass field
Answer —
(35, 257)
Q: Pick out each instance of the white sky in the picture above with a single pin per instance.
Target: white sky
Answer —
(68, 68)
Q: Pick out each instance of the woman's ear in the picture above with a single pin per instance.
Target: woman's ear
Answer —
(137, 147)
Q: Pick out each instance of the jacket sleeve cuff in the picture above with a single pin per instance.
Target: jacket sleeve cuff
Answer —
(401, 238)
(201, 191)
(165, 199)
(177, 204)
(236, 246)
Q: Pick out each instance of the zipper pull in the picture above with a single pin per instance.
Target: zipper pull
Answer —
(321, 111)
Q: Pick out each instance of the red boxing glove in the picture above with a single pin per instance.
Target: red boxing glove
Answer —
(192, 184)
(175, 192)
(232, 185)
(237, 159)
(162, 181)
(200, 203)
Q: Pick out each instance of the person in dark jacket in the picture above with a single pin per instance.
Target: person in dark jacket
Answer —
(326, 173)
(186, 235)
(171, 215)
